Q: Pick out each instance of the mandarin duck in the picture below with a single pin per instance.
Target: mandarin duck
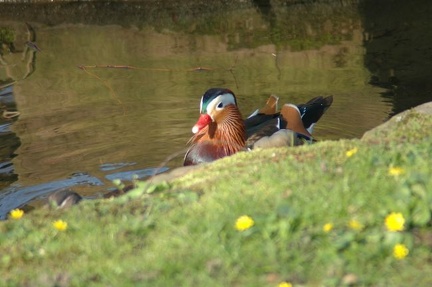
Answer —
(221, 131)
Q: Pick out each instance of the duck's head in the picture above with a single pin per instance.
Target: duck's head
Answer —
(213, 107)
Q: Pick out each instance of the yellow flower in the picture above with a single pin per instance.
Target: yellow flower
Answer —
(395, 222)
(285, 284)
(60, 225)
(16, 213)
(328, 227)
(400, 251)
(355, 225)
(244, 223)
(351, 152)
(396, 171)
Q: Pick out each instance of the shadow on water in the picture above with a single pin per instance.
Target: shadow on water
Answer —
(399, 50)
(107, 90)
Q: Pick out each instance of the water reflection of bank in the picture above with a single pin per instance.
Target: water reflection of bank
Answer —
(9, 141)
(399, 49)
(17, 62)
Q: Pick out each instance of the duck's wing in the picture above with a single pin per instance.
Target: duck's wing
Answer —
(270, 107)
(271, 129)
(259, 122)
(281, 138)
(313, 110)
(274, 133)
(293, 120)
(263, 117)
(264, 129)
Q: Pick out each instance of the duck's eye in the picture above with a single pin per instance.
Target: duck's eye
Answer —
(220, 105)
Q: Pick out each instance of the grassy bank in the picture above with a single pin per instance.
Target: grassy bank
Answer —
(319, 219)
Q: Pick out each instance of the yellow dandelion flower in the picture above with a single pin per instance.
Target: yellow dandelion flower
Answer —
(60, 225)
(16, 213)
(355, 225)
(400, 251)
(285, 284)
(396, 171)
(244, 222)
(395, 222)
(351, 152)
(327, 227)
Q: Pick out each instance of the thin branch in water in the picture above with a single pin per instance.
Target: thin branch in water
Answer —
(231, 70)
(124, 67)
(82, 67)
(200, 69)
(7, 85)
(106, 84)
(127, 67)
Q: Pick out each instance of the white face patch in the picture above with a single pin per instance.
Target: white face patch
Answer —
(201, 104)
(219, 103)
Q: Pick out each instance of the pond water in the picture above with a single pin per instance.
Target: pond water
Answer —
(109, 90)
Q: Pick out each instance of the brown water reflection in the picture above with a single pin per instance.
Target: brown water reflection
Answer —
(76, 119)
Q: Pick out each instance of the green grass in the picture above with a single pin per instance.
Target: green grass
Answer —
(182, 233)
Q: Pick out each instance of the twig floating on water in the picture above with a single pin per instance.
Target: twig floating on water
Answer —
(127, 67)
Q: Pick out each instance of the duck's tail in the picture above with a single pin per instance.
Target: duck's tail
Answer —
(313, 110)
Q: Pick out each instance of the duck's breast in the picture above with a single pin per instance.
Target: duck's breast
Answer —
(202, 152)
